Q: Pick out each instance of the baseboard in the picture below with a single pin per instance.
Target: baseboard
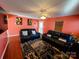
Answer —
(13, 35)
(9, 35)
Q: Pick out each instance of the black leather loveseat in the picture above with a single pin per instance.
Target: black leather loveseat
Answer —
(28, 34)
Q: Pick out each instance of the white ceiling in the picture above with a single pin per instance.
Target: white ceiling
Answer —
(36, 8)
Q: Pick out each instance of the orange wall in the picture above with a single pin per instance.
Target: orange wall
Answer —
(3, 36)
(71, 24)
(3, 42)
(14, 29)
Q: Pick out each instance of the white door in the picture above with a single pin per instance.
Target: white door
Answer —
(41, 27)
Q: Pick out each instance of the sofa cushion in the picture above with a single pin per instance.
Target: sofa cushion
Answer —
(33, 32)
(49, 35)
(63, 40)
(24, 33)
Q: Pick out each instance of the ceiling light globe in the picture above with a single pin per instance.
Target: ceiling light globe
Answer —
(43, 17)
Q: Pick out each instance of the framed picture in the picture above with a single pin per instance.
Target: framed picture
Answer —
(59, 25)
(18, 21)
(29, 21)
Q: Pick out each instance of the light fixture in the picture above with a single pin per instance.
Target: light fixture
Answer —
(43, 17)
(43, 13)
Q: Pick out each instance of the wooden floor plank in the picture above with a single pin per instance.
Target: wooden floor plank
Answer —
(14, 49)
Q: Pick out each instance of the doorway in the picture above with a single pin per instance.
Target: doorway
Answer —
(41, 27)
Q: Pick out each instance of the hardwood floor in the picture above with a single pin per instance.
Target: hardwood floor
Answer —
(14, 49)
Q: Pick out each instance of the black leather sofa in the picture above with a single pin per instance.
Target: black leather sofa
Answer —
(60, 40)
(28, 34)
